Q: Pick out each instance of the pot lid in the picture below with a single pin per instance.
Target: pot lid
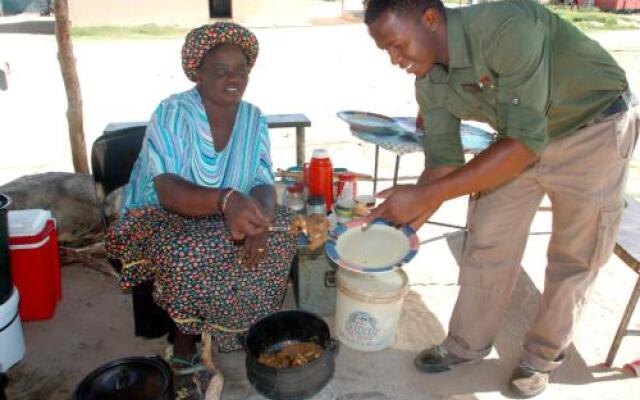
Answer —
(136, 378)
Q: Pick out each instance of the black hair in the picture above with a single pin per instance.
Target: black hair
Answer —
(373, 9)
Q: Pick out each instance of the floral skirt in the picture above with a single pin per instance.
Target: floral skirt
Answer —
(198, 275)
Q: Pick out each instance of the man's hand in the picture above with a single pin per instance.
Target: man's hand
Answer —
(406, 205)
(244, 217)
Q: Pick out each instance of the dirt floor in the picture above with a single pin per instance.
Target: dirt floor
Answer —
(93, 325)
(124, 81)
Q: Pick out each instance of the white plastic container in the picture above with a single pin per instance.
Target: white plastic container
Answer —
(11, 337)
(368, 308)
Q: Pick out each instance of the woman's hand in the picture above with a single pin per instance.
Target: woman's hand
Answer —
(254, 250)
(245, 217)
(406, 205)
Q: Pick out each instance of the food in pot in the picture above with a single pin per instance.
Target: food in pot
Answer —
(293, 355)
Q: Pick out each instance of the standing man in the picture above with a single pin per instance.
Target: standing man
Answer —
(566, 128)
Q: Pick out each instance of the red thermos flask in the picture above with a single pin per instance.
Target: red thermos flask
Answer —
(321, 176)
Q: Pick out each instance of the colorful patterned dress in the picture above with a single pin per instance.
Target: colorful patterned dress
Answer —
(195, 265)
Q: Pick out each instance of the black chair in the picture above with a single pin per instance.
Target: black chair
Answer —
(112, 157)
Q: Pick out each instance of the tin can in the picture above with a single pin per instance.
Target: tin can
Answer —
(316, 205)
(347, 185)
(633, 367)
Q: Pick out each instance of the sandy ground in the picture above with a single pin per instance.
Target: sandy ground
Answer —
(319, 71)
(93, 325)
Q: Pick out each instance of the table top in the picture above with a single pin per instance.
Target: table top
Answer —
(474, 139)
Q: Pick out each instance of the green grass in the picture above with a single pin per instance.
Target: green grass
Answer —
(589, 19)
(125, 32)
(586, 19)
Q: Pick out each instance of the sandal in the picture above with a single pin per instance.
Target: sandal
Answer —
(190, 378)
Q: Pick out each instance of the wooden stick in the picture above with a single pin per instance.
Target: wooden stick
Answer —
(298, 175)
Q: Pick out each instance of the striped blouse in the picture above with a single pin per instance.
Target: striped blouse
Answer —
(179, 141)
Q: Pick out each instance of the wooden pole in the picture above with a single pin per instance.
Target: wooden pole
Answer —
(72, 86)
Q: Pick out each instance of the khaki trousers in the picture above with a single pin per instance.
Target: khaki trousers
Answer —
(583, 175)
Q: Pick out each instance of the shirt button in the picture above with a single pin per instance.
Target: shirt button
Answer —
(515, 101)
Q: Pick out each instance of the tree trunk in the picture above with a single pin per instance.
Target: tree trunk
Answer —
(72, 87)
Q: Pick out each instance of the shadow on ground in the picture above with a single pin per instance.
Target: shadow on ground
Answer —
(45, 27)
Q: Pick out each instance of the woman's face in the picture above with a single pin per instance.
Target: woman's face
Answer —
(223, 75)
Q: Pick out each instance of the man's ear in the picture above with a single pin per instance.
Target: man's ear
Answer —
(431, 19)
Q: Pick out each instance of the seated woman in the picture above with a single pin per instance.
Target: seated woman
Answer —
(199, 204)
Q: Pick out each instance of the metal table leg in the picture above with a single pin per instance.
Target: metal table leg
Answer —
(375, 171)
(395, 173)
(300, 156)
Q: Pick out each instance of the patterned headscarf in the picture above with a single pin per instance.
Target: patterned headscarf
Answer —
(200, 40)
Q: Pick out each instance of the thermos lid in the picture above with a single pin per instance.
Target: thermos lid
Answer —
(320, 153)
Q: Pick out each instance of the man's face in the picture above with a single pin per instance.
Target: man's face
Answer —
(410, 42)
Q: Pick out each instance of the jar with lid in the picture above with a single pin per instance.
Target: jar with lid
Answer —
(347, 186)
(295, 197)
(316, 205)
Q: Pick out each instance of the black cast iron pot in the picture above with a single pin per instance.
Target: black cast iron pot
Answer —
(134, 378)
(6, 285)
(275, 332)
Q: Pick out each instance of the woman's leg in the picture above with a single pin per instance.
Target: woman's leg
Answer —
(191, 377)
(184, 346)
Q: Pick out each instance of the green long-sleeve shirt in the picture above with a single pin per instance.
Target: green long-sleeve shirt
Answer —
(520, 68)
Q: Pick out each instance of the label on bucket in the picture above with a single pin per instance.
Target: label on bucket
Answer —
(361, 327)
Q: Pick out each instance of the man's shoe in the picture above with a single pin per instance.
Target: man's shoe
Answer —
(526, 381)
(437, 359)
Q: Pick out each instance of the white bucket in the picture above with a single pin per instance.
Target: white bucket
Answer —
(368, 308)
(11, 338)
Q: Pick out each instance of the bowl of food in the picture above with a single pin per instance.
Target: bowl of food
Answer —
(290, 355)
(377, 248)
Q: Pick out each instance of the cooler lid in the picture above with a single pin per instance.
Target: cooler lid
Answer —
(27, 222)
(378, 285)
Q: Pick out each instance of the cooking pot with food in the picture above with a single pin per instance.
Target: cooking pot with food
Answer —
(290, 355)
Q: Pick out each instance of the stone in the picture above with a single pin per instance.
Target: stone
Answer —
(70, 197)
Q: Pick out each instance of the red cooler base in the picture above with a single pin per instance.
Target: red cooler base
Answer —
(35, 267)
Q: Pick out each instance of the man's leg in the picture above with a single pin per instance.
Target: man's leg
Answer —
(499, 223)
(584, 176)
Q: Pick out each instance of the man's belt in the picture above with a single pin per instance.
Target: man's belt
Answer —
(622, 103)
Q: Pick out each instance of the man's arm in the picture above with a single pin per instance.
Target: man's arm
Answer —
(414, 204)
(495, 166)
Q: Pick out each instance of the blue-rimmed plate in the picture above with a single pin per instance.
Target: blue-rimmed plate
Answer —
(379, 248)
(370, 122)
